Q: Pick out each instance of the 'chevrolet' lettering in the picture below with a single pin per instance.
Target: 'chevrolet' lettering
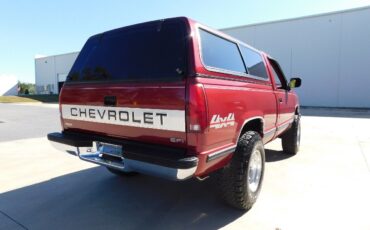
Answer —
(121, 115)
(145, 118)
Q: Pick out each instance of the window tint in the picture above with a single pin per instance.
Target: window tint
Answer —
(149, 51)
(254, 62)
(279, 76)
(276, 77)
(220, 53)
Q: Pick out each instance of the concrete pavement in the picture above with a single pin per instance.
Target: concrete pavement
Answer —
(326, 186)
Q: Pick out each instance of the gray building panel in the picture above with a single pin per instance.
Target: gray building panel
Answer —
(329, 52)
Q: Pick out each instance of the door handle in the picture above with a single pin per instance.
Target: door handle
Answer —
(280, 100)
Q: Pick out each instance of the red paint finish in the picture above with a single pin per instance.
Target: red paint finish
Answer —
(169, 96)
(245, 97)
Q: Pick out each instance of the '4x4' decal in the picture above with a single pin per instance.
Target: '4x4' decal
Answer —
(218, 122)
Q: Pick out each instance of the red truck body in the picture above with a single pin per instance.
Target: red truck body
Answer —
(211, 107)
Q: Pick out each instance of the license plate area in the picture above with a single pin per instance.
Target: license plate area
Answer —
(109, 149)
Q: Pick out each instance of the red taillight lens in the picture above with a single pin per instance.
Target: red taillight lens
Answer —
(197, 109)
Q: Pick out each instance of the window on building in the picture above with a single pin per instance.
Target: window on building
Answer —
(220, 53)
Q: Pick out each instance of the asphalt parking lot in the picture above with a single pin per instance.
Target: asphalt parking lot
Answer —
(325, 186)
(27, 120)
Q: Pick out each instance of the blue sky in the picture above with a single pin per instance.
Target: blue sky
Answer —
(30, 28)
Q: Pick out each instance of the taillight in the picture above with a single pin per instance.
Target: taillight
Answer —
(197, 109)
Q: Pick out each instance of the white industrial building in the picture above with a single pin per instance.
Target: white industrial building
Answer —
(51, 72)
(330, 52)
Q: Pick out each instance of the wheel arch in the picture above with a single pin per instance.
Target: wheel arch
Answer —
(297, 110)
(252, 124)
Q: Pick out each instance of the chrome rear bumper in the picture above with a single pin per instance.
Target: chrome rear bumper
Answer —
(172, 169)
(128, 165)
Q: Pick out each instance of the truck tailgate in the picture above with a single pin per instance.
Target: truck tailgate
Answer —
(152, 113)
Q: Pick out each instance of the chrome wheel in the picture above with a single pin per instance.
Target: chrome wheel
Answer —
(254, 170)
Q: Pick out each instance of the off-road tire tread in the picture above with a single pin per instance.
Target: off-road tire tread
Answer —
(289, 139)
(231, 179)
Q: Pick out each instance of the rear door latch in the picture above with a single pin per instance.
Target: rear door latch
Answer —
(110, 101)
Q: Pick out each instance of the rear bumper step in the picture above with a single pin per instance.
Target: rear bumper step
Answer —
(170, 163)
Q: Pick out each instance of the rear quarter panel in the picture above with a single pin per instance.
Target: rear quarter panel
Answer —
(245, 100)
(244, 97)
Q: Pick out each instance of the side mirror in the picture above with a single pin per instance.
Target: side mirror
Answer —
(295, 83)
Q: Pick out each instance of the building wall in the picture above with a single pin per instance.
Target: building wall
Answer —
(52, 69)
(329, 52)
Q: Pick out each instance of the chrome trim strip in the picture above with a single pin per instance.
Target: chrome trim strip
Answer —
(269, 131)
(279, 128)
(221, 153)
(268, 135)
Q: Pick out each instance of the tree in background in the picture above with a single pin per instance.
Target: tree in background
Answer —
(26, 88)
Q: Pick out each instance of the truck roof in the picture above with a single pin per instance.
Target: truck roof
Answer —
(191, 22)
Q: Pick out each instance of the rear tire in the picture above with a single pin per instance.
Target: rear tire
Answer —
(292, 138)
(122, 173)
(241, 180)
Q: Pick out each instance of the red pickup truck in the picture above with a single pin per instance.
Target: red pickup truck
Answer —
(176, 99)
